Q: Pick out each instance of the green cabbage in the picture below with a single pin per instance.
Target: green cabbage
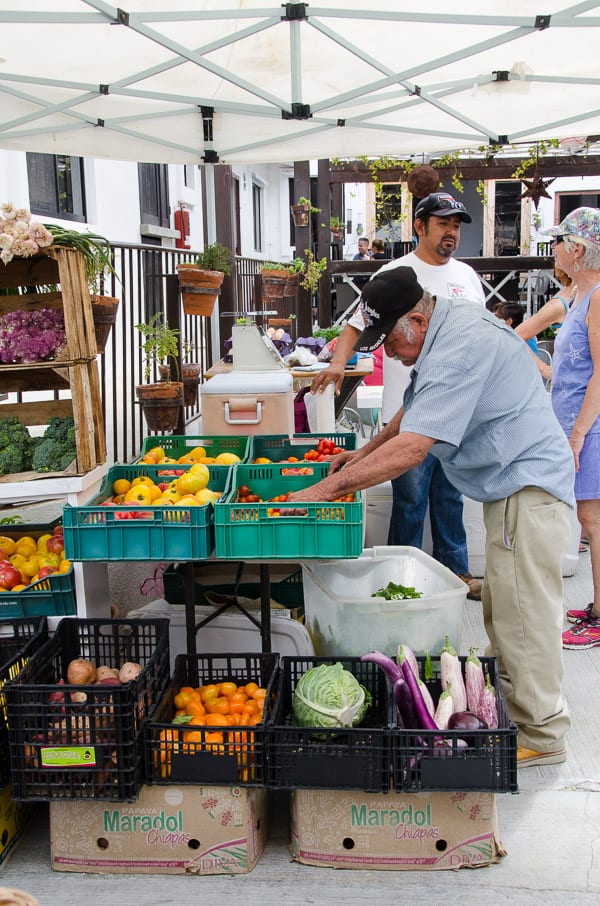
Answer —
(329, 696)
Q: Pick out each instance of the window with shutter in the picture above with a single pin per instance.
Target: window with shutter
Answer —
(56, 186)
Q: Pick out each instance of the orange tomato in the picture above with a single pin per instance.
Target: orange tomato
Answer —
(236, 707)
(259, 694)
(250, 688)
(228, 689)
(199, 721)
(217, 720)
(194, 706)
(182, 697)
(252, 707)
(208, 692)
(218, 705)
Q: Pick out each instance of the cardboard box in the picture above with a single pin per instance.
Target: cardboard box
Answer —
(168, 830)
(14, 820)
(417, 831)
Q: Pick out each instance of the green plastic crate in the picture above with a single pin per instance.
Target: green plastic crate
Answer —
(289, 592)
(100, 532)
(178, 445)
(278, 447)
(247, 531)
(49, 597)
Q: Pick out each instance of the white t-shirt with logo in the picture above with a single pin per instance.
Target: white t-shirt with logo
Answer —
(453, 280)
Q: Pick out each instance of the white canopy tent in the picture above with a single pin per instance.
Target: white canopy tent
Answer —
(184, 81)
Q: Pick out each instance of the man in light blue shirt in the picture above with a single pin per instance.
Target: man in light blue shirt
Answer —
(476, 403)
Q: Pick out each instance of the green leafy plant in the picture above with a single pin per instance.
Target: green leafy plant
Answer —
(311, 270)
(268, 266)
(95, 249)
(328, 333)
(161, 343)
(336, 223)
(216, 257)
(307, 202)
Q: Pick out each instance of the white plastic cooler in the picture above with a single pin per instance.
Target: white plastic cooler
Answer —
(244, 402)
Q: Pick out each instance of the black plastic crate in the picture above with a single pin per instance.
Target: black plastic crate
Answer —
(63, 749)
(315, 758)
(19, 639)
(210, 755)
(487, 764)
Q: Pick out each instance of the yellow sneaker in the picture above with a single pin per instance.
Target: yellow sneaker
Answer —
(528, 758)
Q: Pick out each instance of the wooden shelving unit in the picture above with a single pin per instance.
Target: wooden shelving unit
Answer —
(77, 368)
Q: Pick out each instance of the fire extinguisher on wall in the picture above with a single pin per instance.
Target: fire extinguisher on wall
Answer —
(182, 223)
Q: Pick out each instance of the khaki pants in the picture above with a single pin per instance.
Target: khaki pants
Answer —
(527, 536)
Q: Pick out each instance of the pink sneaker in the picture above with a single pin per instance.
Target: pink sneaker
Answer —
(580, 616)
(585, 635)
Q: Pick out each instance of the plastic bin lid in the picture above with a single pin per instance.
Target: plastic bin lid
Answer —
(251, 382)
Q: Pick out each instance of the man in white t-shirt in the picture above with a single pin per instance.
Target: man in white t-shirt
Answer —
(438, 219)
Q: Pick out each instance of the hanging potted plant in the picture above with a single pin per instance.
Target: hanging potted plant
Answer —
(337, 227)
(190, 375)
(161, 401)
(302, 210)
(279, 281)
(200, 281)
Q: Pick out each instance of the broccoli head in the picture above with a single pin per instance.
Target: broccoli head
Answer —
(15, 446)
(56, 449)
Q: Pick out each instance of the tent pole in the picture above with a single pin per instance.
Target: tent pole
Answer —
(210, 239)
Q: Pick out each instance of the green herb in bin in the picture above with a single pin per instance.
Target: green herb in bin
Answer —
(393, 592)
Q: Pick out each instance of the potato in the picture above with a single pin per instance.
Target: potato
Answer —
(80, 672)
(104, 672)
(129, 672)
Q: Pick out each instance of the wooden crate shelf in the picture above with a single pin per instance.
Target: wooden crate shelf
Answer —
(77, 368)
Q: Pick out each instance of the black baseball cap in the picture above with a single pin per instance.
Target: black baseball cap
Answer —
(441, 204)
(385, 298)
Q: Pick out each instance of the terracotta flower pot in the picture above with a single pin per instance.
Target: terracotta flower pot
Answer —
(200, 288)
(301, 214)
(161, 404)
(191, 379)
(104, 312)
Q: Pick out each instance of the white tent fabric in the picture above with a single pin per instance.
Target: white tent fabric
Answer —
(184, 81)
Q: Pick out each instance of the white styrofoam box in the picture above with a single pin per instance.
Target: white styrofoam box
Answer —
(240, 402)
(343, 619)
(231, 631)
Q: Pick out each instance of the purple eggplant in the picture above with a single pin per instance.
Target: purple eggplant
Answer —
(424, 718)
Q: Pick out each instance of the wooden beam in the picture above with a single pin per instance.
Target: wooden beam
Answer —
(494, 168)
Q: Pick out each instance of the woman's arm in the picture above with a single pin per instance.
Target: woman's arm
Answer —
(553, 312)
(590, 408)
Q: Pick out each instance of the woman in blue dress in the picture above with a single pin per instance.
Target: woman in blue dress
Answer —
(576, 393)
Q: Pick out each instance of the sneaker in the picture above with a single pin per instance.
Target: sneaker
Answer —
(529, 758)
(474, 592)
(585, 635)
(580, 616)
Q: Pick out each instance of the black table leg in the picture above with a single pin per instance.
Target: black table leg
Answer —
(265, 607)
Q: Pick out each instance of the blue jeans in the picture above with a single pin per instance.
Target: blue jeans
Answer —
(412, 491)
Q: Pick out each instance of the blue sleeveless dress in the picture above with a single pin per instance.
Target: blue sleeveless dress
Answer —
(572, 369)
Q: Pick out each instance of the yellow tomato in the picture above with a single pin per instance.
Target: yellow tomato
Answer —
(191, 482)
(30, 567)
(158, 453)
(197, 453)
(227, 459)
(199, 470)
(142, 479)
(41, 542)
(121, 486)
(205, 496)
(155, 492)
(26, 546)
(7, 544)
(65, 566)
(140, 493)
